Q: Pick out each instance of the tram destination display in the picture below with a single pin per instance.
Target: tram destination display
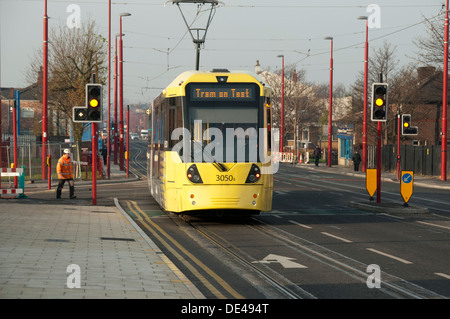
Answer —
(200, 93)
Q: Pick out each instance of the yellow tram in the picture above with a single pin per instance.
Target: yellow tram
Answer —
(209, 144)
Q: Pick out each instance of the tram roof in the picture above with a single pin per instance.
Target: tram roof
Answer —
(176, 87)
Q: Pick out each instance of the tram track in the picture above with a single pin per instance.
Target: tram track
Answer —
(270, 282)
(272, 278)
(391, 285)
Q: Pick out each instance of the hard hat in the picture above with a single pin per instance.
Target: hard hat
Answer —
(66, 151)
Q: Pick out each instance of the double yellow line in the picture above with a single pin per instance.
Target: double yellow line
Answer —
(167, 240)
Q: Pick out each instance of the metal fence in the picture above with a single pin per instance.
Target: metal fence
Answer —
(423, 160)
(29, 155)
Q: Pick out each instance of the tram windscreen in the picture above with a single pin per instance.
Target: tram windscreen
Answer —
(223, 122)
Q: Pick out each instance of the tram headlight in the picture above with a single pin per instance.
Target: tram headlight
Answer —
(254, 175)
(193, 175)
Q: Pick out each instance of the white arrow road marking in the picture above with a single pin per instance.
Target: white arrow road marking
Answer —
(286, 262)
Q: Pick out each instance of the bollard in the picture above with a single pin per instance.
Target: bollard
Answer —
(49, 164)
(22, 183)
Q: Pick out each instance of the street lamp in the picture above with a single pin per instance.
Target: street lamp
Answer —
(444, 102)
(121, 128)
(330, 111)
(44, 95)
(366, 60)
(108, 143)
(282, 101)
(116, 78)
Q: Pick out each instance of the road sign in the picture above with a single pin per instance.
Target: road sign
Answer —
(406, 185)
(371, 181)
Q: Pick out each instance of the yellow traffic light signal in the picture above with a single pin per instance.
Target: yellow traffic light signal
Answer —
(379, 102)
(407, 128)
(94, 102)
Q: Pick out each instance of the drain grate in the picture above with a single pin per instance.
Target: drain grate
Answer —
(117, 238)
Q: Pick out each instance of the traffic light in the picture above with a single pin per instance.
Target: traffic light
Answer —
(94, 102)
(92, 112)
(407, 128)
(379, 102)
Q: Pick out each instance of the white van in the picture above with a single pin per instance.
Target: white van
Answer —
(144, 134)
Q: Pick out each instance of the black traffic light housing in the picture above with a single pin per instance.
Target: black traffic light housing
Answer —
(92, 112)
(407, 128)
(379, 109)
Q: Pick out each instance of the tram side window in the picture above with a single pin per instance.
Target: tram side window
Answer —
(156, 126)
(175, 119)
(269, 129)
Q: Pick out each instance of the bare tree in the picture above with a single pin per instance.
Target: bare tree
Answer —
(301, 104)
(75, 55)
(431, 47)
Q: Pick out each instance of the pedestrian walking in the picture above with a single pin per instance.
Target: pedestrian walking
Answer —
(316, 154)
(105, 155)
(65, 173)
(356, 158)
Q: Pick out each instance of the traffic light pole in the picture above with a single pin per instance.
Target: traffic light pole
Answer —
(444, 102)
(398, 145)
(379, 162)
(94, 163)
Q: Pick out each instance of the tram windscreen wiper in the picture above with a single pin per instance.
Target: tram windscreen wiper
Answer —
(199, 145)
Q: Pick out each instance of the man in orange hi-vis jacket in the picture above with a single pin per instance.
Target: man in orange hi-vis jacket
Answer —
(65, 173)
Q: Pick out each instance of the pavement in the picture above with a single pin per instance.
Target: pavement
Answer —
(68, 251)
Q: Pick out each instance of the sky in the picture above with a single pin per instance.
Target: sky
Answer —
(157, 46)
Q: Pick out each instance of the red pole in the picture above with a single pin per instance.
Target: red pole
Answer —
(116, 125)
(1, 139)
(121, 146)
(94, 163)
(44, 95)
(128, 140)
(398, 145)
(444, 103)
(15, 141)
(108, 143)
(379, 162)
(366, 61)
(282, 104)
(330, 115)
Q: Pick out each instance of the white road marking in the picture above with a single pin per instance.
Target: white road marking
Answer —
(390, 256)
(301, 225)
(337, 237)
(430, 224)
(442, 275)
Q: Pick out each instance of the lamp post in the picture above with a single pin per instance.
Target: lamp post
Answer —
(44, 95)
(116, 125)
(282, 102)
(330, 110)
(444, 102)
(121, 128)
(108, 143)
(366, 61)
